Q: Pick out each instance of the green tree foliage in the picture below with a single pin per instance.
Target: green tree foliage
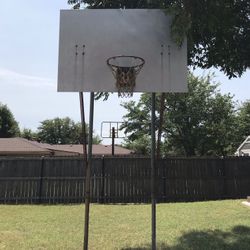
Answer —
(116, 4)
(140, 146)
(200, 122)
(218, 31)
(244, 121)
(218, 35)
(8, 125)
(62, 131)
(28, 134)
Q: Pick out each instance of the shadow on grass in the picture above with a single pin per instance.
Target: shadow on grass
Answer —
(236, 239)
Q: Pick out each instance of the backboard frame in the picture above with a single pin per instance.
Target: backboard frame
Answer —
(89, 37)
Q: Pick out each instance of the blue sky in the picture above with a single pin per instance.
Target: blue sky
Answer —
(29, 32)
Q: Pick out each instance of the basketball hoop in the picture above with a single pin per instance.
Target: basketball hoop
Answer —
(125, 70)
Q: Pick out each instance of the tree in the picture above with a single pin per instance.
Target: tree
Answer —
(217, 31)
(221, 127)
(62, 131)
(28, 134)
(8, 125)
(140, 146)
(200, 122)
(137, 124)
(244, 121)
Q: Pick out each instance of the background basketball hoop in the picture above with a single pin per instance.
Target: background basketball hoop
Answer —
(112, 130)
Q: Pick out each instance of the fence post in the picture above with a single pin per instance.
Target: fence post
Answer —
(103, 180)
(41, 180)
(163, 178)
(225, 195)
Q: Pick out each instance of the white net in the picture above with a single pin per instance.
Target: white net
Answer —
(125, 70)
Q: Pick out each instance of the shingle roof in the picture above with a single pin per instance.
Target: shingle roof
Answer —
(96, 149)
(20, 146)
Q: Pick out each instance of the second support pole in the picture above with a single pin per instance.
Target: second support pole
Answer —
(153, 198)
(88, 172)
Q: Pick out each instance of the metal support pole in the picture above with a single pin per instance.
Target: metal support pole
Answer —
(113, 141)
(84, 145)
(153, 198)
(84, 135)
(88, 172)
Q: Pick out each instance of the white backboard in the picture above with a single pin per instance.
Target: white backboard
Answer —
(89, 37)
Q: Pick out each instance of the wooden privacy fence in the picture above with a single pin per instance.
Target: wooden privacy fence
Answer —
(122, 180)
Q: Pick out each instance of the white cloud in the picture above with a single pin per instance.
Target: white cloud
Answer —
(10, 77)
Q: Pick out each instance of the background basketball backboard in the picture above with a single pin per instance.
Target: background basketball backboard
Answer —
(106, 129)
(89, 37)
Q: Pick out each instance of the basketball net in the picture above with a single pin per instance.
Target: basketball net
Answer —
(125, 75)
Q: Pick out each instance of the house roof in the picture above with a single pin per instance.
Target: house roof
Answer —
(98, 149)
(20, 146)
(244, 148)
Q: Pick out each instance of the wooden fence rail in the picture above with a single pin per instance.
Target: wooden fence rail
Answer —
(122, 180)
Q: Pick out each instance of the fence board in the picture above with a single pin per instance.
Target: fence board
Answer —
(122, 180)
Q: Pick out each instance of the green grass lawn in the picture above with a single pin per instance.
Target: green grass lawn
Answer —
(180, 226)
